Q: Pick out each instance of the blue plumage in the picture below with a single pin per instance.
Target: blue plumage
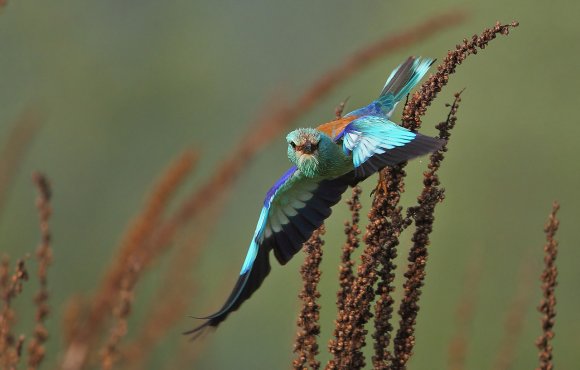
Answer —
(398, 85)
(375, 142)
(370, 135)
(405, 77)
(324, 167)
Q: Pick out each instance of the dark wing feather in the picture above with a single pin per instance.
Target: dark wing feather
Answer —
(302, 218)
(419, 146)
(293, 209)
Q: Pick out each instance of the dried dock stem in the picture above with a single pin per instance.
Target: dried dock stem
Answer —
(423, 214)
(10, 288)
(549, 281)
(349, 333)
(339, 110)
(36, 351)
(139, 254)
(115, 290)
(170, 304)
(306, 346)
(14, 149)
(424, 218)
(415, 108)
(382, 238)
(352, 232)
(383, 233)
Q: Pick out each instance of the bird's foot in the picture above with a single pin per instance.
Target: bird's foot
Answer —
(381, 185)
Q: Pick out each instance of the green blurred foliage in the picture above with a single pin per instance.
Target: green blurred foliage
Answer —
(127, 85)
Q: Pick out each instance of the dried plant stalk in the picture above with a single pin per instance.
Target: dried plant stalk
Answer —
(170, 303)
(349, 334)
(388, 233)
(351, 229)
(386, 226)
(339, 110)
(15, 148)
(36, 351)
(10, 288)
(74, 314)
(138, 253)
(431, 195)
(424, 217)
(120, 313)
(306, 346)
(115, 290)
(549, 281)
(417, 106)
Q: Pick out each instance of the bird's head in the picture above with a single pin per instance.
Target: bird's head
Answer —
(304, 150)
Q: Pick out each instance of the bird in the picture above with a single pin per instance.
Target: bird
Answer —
(326, 160)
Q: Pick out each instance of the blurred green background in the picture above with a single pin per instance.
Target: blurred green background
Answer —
(125, 86)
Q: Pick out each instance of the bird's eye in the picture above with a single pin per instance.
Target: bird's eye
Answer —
(293, 144)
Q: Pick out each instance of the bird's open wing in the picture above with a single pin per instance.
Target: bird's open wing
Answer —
(375, 142)
(297, 208)
(294, 207)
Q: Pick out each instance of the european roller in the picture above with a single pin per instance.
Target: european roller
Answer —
(326, 161)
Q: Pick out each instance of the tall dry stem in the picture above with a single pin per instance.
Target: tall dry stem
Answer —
(549, 281)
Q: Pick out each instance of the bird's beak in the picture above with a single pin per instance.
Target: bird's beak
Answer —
(308, 148)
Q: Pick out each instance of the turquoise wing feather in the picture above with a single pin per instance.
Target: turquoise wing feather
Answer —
(375, 142)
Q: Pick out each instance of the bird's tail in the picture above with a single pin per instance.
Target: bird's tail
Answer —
(405, 77)
(401, 81)
(398, 85)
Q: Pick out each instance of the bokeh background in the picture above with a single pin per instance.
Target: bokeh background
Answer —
(125, 86)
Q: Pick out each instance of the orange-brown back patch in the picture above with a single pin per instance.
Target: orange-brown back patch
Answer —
(334, 128)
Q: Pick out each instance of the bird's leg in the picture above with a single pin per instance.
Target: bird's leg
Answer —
(381, 185)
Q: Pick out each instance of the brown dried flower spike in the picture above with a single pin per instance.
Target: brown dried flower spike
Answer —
(548, 304)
